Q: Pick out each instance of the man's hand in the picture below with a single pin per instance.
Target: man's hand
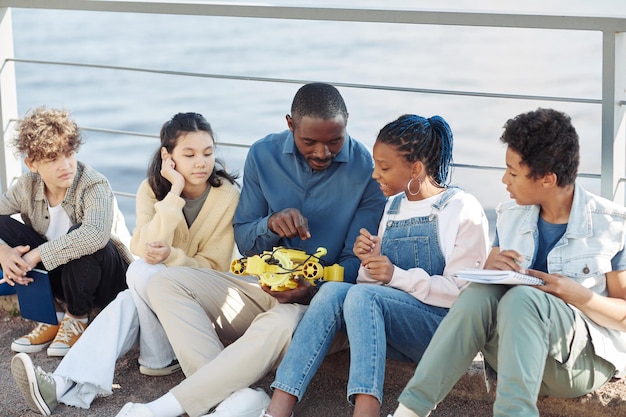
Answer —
(289, 223)
(14, 266)
(300, 295)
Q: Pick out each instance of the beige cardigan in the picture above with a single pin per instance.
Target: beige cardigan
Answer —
(208, 243)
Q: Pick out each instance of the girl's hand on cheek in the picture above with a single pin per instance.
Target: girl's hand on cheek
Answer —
(168, 171)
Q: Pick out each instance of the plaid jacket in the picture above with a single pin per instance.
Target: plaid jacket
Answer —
(89, 201)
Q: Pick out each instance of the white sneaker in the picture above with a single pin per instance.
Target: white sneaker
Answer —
(246, 402)
(166, 370)
(134, 410)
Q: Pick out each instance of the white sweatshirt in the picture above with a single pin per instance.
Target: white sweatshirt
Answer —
(464, 238)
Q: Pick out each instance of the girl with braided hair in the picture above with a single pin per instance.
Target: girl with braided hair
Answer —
(428, 232)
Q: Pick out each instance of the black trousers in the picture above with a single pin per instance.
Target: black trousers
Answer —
(84, 283)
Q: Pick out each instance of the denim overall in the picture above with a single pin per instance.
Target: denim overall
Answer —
(414, 242)
(380, 321)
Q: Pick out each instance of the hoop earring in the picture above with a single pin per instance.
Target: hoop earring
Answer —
(408, 186)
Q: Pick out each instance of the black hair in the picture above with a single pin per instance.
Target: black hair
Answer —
(419, 139)
(318, 100)
(171, 130)
(547, 143)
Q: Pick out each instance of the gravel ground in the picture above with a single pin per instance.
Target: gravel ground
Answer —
(326, 395)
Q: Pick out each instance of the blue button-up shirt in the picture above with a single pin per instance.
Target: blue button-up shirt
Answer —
(337, 201)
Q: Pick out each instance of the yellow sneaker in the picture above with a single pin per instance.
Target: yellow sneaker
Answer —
(69, 332)
(37, 340)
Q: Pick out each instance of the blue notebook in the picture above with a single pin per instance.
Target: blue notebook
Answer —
(35, 299)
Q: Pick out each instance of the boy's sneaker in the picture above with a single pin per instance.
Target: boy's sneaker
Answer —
(69, 332)
(37, 340)
(167, 370)
(246, 402)
(134, 410)
(37, 386)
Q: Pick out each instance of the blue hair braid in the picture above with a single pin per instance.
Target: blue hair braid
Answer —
(441, 127)
(427, 140)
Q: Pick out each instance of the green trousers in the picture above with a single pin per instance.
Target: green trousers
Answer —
(537, 344)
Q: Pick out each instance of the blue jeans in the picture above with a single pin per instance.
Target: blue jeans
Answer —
(380, 322)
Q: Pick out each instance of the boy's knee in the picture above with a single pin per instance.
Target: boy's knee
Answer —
(520, 299)
(480, 294)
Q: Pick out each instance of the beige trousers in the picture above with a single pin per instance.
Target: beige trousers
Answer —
(226, 332)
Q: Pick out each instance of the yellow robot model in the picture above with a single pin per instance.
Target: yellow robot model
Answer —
(277, 268)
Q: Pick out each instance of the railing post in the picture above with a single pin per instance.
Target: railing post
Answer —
(613, 116)
(10, 166)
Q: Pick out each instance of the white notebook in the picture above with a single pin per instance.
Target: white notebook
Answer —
(492, 276)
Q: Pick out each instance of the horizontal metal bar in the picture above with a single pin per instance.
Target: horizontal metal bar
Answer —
(118, 132)
(300, 81)
(371, 15)
(123, 194)
(479, 167)
(495, 168)
(148, 135)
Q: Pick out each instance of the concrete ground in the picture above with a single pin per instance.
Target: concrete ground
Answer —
(326, 396)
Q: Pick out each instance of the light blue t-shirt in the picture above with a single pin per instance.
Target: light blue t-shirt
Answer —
(548, 235)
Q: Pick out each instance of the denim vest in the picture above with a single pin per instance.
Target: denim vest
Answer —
(594, 235)
(414, 242)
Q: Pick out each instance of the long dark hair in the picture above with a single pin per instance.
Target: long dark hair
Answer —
(171, 130)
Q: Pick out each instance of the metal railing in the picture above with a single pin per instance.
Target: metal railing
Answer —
(613, 73)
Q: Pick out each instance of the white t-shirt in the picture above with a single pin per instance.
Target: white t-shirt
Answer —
(60, 223)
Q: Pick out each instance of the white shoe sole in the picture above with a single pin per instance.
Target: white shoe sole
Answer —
(27, 383)
(17, 347)
(168, 370)
(57, 351)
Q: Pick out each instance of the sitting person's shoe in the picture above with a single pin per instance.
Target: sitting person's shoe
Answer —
(70, 330)
(264, 413)
(37, 386)
(37, 340)
(246, 402)
(134, 410)
(167, 370)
